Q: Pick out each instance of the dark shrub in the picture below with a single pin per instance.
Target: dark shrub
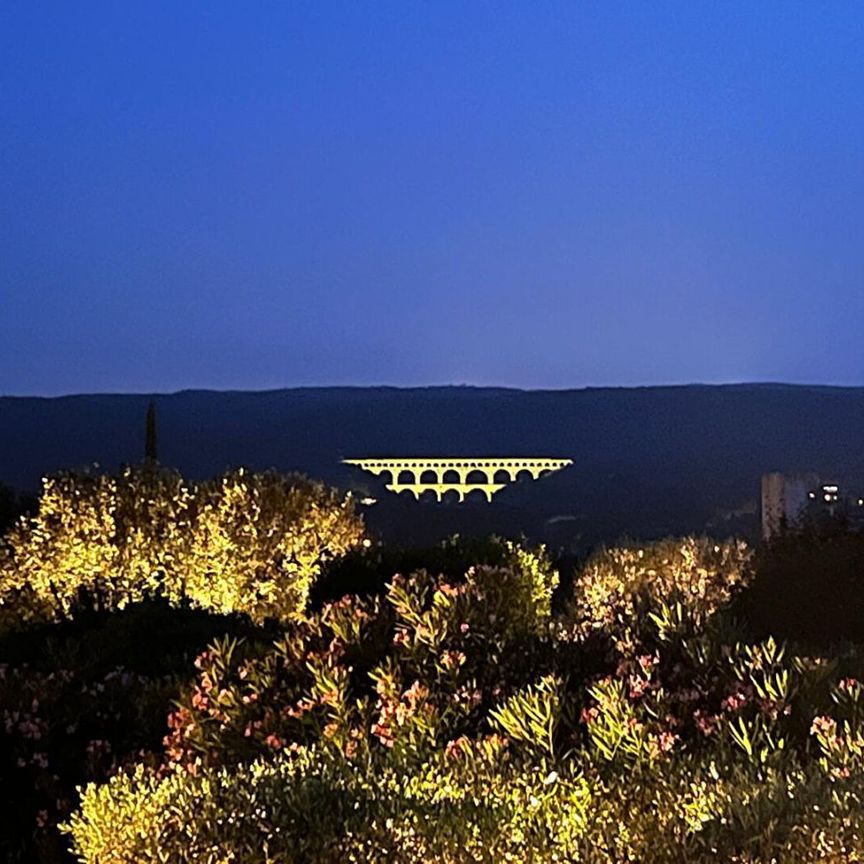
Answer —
(809, 587)
(80, 699)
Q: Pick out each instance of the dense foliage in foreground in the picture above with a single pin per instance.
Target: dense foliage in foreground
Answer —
(472, 711)
(249, 543)
(107, 594)
(82, 699)
(461, 720)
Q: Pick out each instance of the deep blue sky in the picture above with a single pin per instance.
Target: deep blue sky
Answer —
(251, 195)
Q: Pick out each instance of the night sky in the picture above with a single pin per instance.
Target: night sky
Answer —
(255, 195)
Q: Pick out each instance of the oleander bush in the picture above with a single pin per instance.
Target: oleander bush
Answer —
(456, 643)
(60, 729)
(459, 706)
(618, 589)
(248, 543)
(461, 719)
(482, 805)
(83, 698)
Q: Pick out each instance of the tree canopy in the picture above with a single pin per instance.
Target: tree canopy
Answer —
(244, 542)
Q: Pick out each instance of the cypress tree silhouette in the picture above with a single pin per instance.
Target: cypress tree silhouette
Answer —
(151, 453)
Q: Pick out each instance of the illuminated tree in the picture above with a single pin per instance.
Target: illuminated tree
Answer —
(259, 540)
(249, 543)
(108, 538)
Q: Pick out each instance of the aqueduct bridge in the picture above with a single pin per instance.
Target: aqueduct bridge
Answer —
(460, 475)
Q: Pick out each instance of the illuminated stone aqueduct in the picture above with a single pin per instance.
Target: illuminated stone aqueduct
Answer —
(462, 476)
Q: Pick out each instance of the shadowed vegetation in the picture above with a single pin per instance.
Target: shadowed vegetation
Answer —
(455, 704)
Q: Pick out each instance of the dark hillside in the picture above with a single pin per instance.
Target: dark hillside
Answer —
(648, 461)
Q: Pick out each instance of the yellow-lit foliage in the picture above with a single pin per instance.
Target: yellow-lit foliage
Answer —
(503, 603)
(308, 808)
(439, 724)
(259, 540)
(250, 543)
(618, 587)
(479, 806)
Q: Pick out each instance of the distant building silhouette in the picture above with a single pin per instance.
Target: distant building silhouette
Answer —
(793, 501)
(784, 499)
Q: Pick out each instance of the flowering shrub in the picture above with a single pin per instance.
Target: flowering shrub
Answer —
(80, 699)
(457, 720)
(475, 805)
(63, 728)
(247, 699)
(618, 588)
(423, 662)
(250, 543)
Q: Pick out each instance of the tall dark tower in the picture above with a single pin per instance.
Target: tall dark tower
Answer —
(151, 453)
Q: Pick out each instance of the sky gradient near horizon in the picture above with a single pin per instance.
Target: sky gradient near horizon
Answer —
(255, 195)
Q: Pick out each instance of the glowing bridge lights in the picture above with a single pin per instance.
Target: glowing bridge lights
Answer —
(460, 475)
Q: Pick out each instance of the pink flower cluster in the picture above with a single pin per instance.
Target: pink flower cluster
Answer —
(393, 714)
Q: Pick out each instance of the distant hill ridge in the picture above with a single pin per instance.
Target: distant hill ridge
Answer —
(646, 459)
